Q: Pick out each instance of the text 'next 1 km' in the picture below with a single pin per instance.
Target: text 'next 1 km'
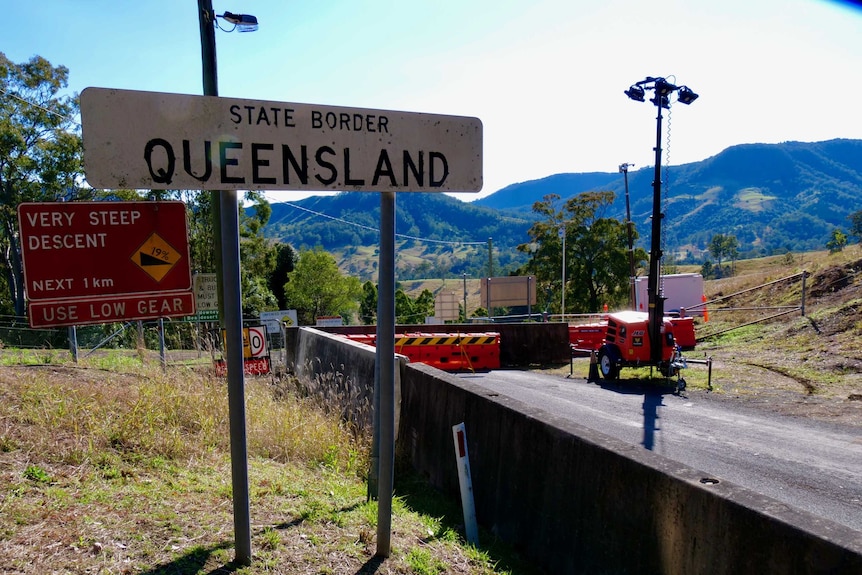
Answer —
(149, 140)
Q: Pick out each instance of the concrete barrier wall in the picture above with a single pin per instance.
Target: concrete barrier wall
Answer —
(341, 372)
(576, 501)
(338, 370)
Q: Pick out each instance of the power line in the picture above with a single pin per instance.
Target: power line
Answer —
(43, 108)
(369, 228)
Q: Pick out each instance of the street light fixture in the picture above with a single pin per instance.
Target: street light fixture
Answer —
(635, 93)
(663, 91)
(241, 22)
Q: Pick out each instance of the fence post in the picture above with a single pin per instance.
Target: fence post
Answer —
(802, 304)
(162, 354)
(73, 342)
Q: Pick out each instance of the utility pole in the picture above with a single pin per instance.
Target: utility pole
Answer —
(563, 279)
(490, 274)
(490, 258)
(206, 18)
(624, 169)
(465, 296)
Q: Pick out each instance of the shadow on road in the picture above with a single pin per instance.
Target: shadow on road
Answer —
(653, 399)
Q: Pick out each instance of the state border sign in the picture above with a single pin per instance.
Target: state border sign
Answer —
(152, 140)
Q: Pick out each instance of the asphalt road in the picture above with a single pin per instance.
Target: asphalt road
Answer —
(809, 465)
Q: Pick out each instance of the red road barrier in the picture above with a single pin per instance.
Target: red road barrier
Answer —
(445, 351)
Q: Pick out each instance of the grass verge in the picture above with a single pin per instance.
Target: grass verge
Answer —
(106, 471)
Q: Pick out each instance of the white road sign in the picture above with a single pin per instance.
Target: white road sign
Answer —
(151, 140)
(206, 291)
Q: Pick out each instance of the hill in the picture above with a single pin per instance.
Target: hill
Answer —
(437, 234)
(773, 197)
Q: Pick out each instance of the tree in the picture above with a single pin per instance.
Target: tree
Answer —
(413, 310)
(368, 304)
(285, 260)
(837, 241)
(258, 256)
(407, 310)
(316, 288)
(731, 251)
(716, 250)
(201, 233)
(723, 246)
(597, 265)
(40, 155)
(856, 225)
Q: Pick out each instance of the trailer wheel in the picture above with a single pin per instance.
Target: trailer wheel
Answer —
(607, 365)
(667, 370)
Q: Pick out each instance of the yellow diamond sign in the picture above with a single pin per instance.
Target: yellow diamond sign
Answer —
(156, 257)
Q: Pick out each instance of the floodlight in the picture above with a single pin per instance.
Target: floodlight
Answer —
(635, 93)
(243, 22)
(686, 96)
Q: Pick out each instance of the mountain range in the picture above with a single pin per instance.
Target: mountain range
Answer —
(773, 197)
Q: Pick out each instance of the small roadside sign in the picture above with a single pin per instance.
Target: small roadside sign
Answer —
(206, 292)
(66, 312)
(207, 315)
(254, 342)
(255, 352)
(273, 319)
(92, 249)
(156, 257)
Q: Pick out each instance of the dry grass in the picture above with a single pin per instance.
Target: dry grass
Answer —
(113, 471)
(809, 366)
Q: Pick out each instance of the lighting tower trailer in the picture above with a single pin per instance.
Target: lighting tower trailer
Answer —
(638, 339)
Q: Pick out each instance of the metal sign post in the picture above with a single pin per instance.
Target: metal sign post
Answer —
(386, 371)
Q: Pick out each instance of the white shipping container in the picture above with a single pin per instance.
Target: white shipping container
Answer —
(682, 291)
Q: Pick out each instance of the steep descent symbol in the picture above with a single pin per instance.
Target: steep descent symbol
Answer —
(156, 257)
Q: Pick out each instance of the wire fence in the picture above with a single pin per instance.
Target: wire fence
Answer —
(170, 342)
(720, 305)
(180, 341)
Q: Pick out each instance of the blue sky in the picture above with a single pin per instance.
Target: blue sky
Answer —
(546, 77)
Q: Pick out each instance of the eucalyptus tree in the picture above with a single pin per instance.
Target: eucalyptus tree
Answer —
(596, 254)
(40, 156)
